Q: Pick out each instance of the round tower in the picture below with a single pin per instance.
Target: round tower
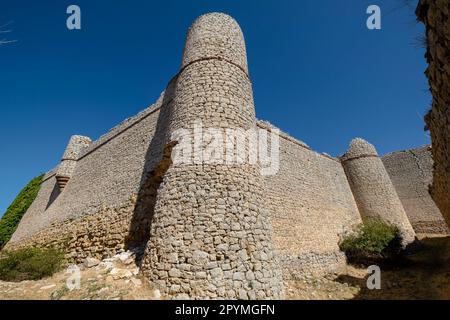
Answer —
(69, 160)
(372, 188)
(210, 236)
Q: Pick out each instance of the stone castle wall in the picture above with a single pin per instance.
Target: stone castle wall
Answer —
(108, 173)
(210, 236)
(435, 14)
(411, 172)
(210, 230)
(372, 188)
(311, 206)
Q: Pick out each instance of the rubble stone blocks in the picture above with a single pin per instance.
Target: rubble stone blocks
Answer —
(372, 188)
(220, 245)
(435, 14)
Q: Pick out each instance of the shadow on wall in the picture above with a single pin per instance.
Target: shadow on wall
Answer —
(53, 196)
(157, 162)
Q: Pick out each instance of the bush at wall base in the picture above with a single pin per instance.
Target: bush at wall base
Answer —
(30, 264)
(374, 241)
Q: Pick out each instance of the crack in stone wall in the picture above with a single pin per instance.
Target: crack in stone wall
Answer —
(411, 172)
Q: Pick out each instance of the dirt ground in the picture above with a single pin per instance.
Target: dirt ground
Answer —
(423, 275)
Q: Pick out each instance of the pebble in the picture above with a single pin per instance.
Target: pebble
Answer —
(91, 262)
(136, 282)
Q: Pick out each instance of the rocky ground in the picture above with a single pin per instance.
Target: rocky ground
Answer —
(424, 275)
(116, 278)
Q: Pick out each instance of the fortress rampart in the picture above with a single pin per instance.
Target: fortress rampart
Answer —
(411, 172)
(310, 205)
(210, 235)
(217, 230)
(372, 188)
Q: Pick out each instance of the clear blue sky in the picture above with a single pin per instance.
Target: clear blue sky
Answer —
(318, 72)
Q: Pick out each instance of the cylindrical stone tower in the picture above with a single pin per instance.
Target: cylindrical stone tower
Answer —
(69, 159)
(372, 188)
(210, 236)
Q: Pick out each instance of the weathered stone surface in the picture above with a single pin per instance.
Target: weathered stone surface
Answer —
(411, 172)
(90, 262)
(372, 188)
(310, 205)
(213, 77)
(435, 14)
(69, 160)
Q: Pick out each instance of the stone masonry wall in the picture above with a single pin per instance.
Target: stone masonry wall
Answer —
(210, 236)
(108, 174)
(435, 14)
(372, 188)
(325, 209)
(47, 194)
(310, 205)
(210, 230)
(100, 235)
(411, 172)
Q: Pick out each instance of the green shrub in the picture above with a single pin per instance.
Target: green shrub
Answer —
(30, 264)
(372, 241)
(14, 213)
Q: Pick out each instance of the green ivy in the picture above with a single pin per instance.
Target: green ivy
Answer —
(15, 212)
